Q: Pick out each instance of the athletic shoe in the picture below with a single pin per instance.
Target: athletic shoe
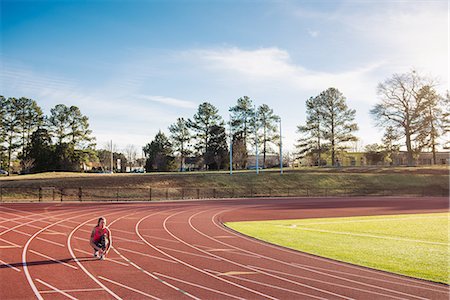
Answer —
(102, 257)
(95, 254)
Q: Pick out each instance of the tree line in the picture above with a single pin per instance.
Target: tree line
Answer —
(59, 141)
(409, 109)
(203, 139)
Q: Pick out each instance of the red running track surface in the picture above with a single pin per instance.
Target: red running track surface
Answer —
(181, 250)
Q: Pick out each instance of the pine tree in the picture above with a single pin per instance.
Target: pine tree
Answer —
(310, 143)
(180, 137)
(338, 121)
(206, 117)
(268, 125)
(159, 154)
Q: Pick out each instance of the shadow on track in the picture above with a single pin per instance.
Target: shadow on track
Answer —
(47, 262)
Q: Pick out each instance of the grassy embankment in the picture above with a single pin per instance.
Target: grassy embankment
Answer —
(413, 245)
(318, 181)
(399, 177)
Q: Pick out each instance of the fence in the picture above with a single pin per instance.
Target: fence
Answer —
(53, 194)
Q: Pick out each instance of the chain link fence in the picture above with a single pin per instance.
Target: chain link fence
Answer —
(81, 194)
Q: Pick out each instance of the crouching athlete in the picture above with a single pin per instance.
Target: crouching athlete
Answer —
(101, 239)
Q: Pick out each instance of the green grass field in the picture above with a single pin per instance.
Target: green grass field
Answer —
(415, 245)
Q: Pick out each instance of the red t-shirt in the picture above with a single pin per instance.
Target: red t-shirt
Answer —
(98, 232)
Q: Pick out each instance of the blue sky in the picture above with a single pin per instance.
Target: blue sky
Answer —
(133, 67)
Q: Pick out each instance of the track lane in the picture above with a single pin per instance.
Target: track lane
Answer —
(183, 238)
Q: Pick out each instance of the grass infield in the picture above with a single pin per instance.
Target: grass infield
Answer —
(415, 245)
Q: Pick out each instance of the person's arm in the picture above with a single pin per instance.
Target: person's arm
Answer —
(92, 240)
(108, 246)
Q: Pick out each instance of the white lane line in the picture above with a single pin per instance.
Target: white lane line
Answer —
(24, 253)
(127, 240)
(198, 269)
(188, 253)
(53, 259)
(159, 238)
(329, 283)
(199, 286)
(8, 265)
(147, 255)
(445, 290)
(183, 262)
(297, 253)
(72, 291)
(369, 235)
(148, 273)
(128, 288)
(50, 231)
(106, 258)
(271, 286)
(253, 269)
(10, 243)
(375, 220)
(69, 246)
(51, 242)
(56, 289)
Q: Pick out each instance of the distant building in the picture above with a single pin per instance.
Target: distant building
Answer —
(359, 159)
(423, 159)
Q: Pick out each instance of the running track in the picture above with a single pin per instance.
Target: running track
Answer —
(181, 250)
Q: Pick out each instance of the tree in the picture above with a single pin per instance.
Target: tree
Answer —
(159, 154)
(310, 144)
(402, 105)
(446, 119)
(180, 137)
(391, 136)
(206, 117)
(73, 141)
(217, 153)
(131, 154)
(268, 123)
(337, 119)
(240, 154)
(59, 123)
(374, 154)
(41, 151)
(10, 125)
(241, 118)
(242, 115)
(79, 134)
(3, 132)
(69, 125)
(30, 118)
(434, 126)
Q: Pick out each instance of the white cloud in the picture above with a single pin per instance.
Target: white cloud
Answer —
(169, 101)
(313, 33)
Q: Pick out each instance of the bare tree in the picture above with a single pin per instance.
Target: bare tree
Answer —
(402, 105)
(131, 154)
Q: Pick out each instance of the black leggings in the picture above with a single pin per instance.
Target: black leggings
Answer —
(102, 242)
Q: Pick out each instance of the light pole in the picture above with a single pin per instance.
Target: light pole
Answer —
(281, 150)
(231, 148)
(256, 140)
(111, 157)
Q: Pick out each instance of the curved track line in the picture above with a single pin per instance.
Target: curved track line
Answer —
(24, 257)
(253, 269)
(282, 262)
(313, 271)
(81, 265)
(249, 268)
(290, 251)
(145, 271)
(197, 269)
